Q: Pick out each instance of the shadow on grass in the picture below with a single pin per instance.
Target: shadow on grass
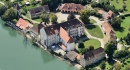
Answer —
(91, 27)
(120, 29)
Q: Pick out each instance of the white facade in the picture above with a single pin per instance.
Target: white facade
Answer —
(50, 40)
(70, 46)
(76, 31)
(96, 58)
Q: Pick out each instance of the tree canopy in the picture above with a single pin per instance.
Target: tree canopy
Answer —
(10, 14)
(127, 38)
(53, 18)
(103, 65)
(121, 54)
(71, 16)
(109, 49)
(84, 16)
(45, 18)
(53, 4)
(116, 22)
(3, 8)
(117, 66)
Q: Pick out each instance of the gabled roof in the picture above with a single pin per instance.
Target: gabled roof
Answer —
(93, 53)
(71, 7)
(107, 28)
(72, 55)
(65, 25)
(22, 23)
(64, 35)
(106, 15)
(39, 10)
(36, 29)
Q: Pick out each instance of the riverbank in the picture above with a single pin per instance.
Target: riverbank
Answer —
(48, 50)
(18, 53)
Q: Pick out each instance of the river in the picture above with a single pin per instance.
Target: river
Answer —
(18, 54)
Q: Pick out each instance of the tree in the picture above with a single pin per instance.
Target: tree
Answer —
(124, 6)
(53, 18)
(117, 66)
(84, 16)
(53, 4)
(116, 22)
(91, 48)
(10, 14)
(127, 38)
(71, 16)
(84, 50)
(81, 45)
(3, 8)
(127, 67)
(121, 54)
(9, 4)
(109, 49)
(103, 65)
(45, 18)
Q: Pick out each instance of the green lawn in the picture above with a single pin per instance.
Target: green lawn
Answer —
(120, 4)
(92, 21)
(127, 64)
(37, 19)
(124, 28)
(94, 30)
(92, 42)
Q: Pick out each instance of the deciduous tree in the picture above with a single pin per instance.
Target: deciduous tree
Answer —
(84, 16)
(45, 18)
(103, 65)
(109, 49)
(71, 16)
(10, 14)
(117, 66)
(53, 18)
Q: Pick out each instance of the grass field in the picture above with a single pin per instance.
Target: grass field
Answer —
(92, 42)
(123, 31)
(92, 21)
(127, 64)
(94, 30)
(120, 4)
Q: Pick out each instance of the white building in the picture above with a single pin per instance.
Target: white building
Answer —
(62, 33)
(92, 57)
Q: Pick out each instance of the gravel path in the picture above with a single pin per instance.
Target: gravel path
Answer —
(99, 23)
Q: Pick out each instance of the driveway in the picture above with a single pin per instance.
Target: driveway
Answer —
(63, 16)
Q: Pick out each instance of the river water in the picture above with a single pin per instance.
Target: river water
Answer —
(18, 54)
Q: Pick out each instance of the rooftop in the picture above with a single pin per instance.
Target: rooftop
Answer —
(65, 25)
(70, 7)
(107, 28)
(93, 53)
(22, 23)
(72, 55)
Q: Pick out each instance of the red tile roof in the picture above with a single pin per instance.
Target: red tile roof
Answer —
(107, 28)
(64, 35)
(22, 23)
(71, 7)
